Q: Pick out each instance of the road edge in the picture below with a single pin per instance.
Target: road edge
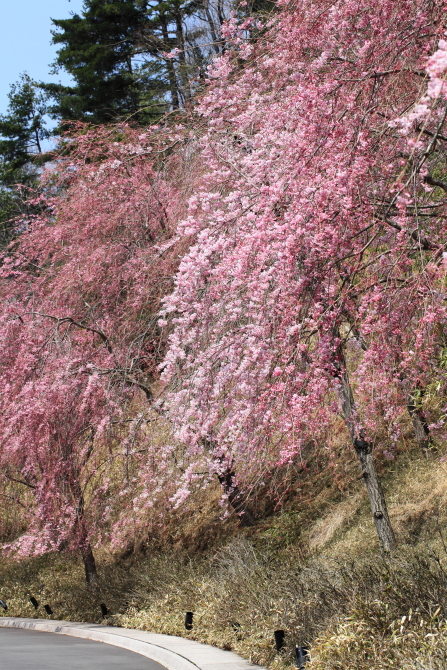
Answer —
(174, 653)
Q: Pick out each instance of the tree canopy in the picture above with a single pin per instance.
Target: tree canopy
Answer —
(264, 273)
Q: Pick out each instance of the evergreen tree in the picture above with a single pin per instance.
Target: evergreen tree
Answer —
(22, 130)
(116, 51)
(98, 49)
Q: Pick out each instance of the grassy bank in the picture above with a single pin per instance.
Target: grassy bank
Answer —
(315, 572)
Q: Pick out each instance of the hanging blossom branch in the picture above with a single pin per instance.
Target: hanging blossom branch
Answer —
(305, 223)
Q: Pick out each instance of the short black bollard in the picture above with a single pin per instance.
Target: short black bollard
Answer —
(188, 620)
(302, 656)
(33, 602)
(3, 604)
(104, 610)
(279, 639)
(48, 609)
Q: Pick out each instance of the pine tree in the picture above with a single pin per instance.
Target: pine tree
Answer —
(117, 53)
(22, 130)
(98, 49)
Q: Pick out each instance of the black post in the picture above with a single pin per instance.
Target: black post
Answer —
(188, 620)
(302, 656)
(104, 610)
(279, 639)
(33, 602)
(48, 609)
(3, 604)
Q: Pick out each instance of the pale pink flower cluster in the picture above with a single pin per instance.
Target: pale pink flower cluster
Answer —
(436, 68)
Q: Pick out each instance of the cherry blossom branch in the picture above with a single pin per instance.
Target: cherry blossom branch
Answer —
(19, 481)
(428, 179)
(67, 319)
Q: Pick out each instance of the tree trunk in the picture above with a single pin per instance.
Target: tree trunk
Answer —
(170, 67)
(236, 498)
(227, 479)
(375, 494)
(91, 575)
(213, 31)
(182, 58)
(365, 455)
(420, 425)
(220, 13)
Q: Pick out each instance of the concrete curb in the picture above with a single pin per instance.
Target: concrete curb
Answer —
(174, 653)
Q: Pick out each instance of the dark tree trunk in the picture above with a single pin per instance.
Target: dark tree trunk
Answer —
(220, 13)
(364, 451)
(134, 101)
(227, 479)
(236, 498)
(186, 90)
(420, 425)
(170, 68)
(213, 31)
(91, 575)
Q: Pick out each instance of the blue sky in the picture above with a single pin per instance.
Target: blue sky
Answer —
(25, 40)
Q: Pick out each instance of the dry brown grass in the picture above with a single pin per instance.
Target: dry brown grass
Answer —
(315, 571)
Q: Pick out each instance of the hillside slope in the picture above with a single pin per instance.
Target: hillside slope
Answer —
(317, 573)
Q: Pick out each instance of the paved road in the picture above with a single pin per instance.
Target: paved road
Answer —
(32, 650)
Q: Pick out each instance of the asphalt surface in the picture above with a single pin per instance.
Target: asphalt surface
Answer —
(32, 650)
